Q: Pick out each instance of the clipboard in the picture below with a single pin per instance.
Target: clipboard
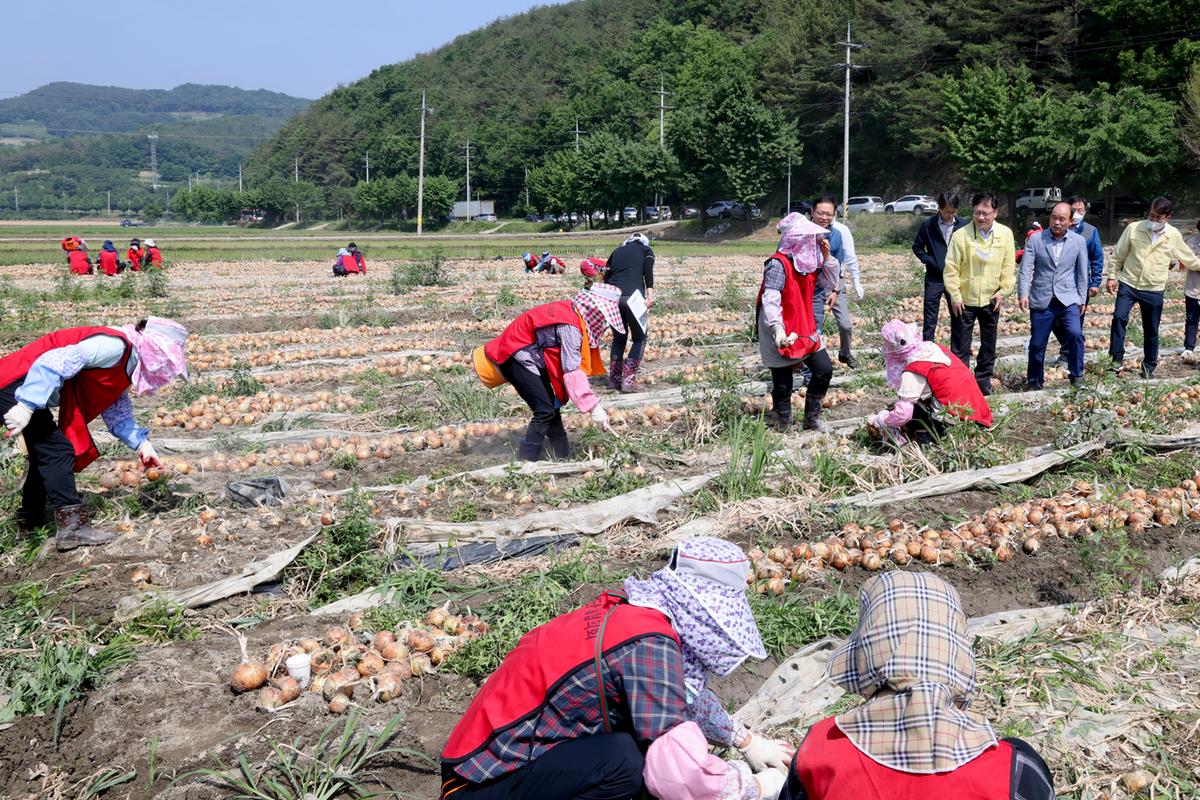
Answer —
(637, 307)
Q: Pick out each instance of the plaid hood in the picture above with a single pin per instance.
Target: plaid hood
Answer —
(911, 658)
(600, 308)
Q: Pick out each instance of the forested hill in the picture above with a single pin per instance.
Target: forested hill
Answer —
(942, 90)
(68, 107)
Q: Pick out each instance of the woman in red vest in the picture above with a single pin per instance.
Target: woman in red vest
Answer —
(87, 373)
(109, 261)
(134, 255)
(79, 260)
(931, 383)
(916, 737)
(599, 701)
(547, 354)
(153, 257)
(787, 329)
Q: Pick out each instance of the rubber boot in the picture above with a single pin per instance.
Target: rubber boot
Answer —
(74, 529)
(615, 369)
(629, 384)
(556, 437)
(780, 415)
(27, 523)
(529, 451)
(812, 413)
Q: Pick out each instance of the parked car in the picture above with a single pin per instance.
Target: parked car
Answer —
(912, 204)
(689, 212)
(799, 206)
(532, 218)
(629, 214)
(486, 217)
(739, 211)
(722, 209)
(1125, 205)
(130, 223)
(549, 218)
(650, 213)
(1038, 199)
(863, 204)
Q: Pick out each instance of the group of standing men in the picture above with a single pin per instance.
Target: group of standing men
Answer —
(972, 264)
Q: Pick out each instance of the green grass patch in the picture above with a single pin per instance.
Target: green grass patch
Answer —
(791, 621)
(344, 558)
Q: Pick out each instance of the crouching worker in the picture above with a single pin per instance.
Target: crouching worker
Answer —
(87, 373)
(544, 263)
(547, 354)
(787, 329)
(930, 383)
(612, 697)
(594, 270)
(109, 260)
(916, 737)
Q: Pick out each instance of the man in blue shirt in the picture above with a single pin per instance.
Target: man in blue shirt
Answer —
(1095, 251)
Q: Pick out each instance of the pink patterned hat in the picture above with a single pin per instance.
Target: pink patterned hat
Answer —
(160, 349)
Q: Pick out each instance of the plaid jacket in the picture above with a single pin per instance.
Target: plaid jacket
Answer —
(643, 683)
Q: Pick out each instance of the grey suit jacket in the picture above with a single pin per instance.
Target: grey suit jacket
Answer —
(1041, 280)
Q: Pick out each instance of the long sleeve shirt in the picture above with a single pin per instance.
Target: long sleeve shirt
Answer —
(931, 242)
(828, 277)
(849, 257)
(1054, 268)
(569, 342)
(1143, 262)
(54, 367)
(1191, 287)
(979, 266)
(631, 268)
(1095, 253)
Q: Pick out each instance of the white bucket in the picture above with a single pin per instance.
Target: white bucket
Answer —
(300, 668)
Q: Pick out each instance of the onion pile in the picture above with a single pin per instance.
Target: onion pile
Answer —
(349, 661)
(1179, 402)
(131, 474)
(996, 534)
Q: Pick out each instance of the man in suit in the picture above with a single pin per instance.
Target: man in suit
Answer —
(930, 248)
(1079, 210)
(1053, 287)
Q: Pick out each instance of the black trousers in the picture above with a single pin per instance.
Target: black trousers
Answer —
(602, 767)
(783, 380)
(547, 419)
(962, 328)
(935, 293)
(632, 331)
(51, 474)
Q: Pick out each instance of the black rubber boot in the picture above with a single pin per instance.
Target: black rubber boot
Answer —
(556, 437)
(529, 451)
(844, 354)
(812, 413)
(780, 415)
(75, 529)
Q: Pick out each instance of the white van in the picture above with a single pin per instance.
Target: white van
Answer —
(1039, 199)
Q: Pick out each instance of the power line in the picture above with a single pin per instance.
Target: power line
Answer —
(849, 66)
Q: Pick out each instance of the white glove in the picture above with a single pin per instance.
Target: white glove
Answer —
(600, 417)
(858, 290)
(770, 784)
(782, 338)
(17, 418)
(148, 456)
(766, 754)
(878, 420)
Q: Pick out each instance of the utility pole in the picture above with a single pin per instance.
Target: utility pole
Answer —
(239, 176)
(110, 201)
(421, 170)
(64, 201)
(577, 132)
(849, 65)
(17, 199)
(788, 208)
(296, 170)
(526, 189)
(368, 166)
(153, 137)
(662, 125)
(467, 150)
(189, 181)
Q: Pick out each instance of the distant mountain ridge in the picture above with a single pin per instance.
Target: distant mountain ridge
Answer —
(63, 107)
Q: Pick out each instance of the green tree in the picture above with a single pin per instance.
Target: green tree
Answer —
(985, 128)
(440, 194)
(306, 198)
(1189, 114)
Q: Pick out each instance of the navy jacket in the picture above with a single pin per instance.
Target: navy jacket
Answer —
(1095, 252)
(930, 247)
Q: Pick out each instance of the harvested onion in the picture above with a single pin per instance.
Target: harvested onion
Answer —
(248, 676)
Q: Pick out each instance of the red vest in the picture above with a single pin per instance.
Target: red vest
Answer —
(797, 302)
(953, 385)
(78, 259)
(81, 398)
(362, 262)
(522, 332)
(830, 767)
(153, 257)
(135, 259)
(108, 262)
(348, 263)
(531, 673)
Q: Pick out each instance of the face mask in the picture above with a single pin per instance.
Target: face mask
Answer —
(1157, 227)
(1076, 218)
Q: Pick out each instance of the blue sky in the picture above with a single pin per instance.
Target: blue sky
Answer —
(302, 48)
